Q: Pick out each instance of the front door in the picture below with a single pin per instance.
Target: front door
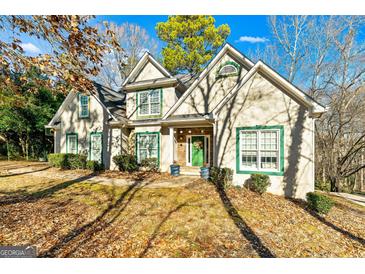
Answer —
(96, 146)
(197, 150)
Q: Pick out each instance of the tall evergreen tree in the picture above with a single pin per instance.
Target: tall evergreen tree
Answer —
(191, 41)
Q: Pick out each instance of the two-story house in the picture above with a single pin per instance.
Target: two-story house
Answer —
(235, 114)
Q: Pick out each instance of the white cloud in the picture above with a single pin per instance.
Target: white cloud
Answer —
(252, 39)
(30, 48)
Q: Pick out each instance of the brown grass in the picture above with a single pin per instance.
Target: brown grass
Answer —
(73, 218)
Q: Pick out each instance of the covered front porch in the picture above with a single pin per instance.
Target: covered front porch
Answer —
(192, 147)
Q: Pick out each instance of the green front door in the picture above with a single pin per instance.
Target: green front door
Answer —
(197, 150)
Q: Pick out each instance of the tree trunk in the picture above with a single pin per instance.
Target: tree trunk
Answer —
(334, 186)
(7, 150)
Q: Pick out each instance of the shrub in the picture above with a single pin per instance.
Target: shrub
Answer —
(319, 202)
(322, 185)
(150, 164)
(221, 176)
(259, 183)
(94, 165)
(77, 161)
(126, 162)
(58, 160)
(67, 161)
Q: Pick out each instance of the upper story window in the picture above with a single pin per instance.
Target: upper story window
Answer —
(149, 102)
(84, 106)
(228, 69)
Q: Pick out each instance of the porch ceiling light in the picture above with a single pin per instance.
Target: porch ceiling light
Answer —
(189, 131)
(181, 131)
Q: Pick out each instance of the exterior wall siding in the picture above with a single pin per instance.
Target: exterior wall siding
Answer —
(260, 103)
(96, 122)
(210, 91)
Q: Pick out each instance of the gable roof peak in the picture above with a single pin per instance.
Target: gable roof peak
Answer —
(146, 57)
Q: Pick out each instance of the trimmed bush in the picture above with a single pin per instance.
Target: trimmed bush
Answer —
(259, 183)
(126, 162)
(221, 176)
(319, 202)
(94, 165)
(77, 161)
(67, 160)
(58, 160)
(150, 164)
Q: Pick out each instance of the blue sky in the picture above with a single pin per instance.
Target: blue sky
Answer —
(252, 30)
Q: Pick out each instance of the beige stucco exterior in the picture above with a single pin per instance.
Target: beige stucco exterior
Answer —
(70, 122)
(210, 90)
(259, 102)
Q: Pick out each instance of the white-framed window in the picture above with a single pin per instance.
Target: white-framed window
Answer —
(147, 146)
(228, 70)
(149, 102)
(72, 143)
(259, 150)
(84, 106)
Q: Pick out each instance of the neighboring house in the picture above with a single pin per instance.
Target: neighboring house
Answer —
(235, 114)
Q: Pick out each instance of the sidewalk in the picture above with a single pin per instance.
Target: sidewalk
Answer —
(355, 198)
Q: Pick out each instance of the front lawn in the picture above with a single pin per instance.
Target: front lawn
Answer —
(78, 218)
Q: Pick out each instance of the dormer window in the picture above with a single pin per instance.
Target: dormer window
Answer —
(149, 102)
(84, 106)
(228, 69)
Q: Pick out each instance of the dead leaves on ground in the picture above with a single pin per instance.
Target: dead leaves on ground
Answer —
(93, 220)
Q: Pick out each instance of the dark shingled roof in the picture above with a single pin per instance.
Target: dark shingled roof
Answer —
(185, 116)
(112, 100)
(186, 79)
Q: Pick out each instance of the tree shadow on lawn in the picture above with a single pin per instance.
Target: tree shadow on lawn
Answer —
(158, 227)
(322, 219)
(22, 173)
(32, 197)
(101, 222)
(245, 230)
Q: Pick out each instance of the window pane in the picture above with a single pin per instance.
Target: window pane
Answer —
(84, 105)
(249, 159)
(228, 69)
(143, 98)
(72, 143)
(248, 140)
(147, 146)
(155, 108)
(143, 109)
(268, 140)
(142, 154)
(155, 96)
(269, 159)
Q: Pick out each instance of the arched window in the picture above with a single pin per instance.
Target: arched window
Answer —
(228, 69)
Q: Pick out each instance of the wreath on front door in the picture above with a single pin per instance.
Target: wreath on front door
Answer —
(198, 145)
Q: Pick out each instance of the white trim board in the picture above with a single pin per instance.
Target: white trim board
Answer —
(226, 48)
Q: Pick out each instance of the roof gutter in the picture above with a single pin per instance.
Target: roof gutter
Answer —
(150, 84)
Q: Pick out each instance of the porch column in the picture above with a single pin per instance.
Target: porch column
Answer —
(171, 145)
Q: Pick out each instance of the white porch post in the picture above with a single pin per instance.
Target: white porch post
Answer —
(171, 145)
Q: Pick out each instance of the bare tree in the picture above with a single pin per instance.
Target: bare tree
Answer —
(135, 41)
(323, 55)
